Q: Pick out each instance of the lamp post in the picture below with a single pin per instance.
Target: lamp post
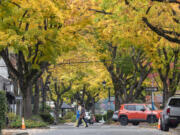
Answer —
(81, 97)
(109, 96)
(104, 84)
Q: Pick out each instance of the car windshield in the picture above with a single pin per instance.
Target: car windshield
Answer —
(149, 106)
(116, 112)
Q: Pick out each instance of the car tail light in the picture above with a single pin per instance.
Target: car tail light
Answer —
(168, 111)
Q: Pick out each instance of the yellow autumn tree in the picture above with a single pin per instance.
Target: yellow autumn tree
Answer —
(33, 33)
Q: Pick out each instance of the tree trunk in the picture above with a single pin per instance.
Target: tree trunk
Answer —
(27, 106)
(117, 101)
(93, 106)
(44, 92)
(36, 99)
(56, 112)
(165, 92)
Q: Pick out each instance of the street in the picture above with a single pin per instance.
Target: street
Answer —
(98, 130)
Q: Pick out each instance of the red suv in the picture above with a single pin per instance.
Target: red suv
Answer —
(136, 113)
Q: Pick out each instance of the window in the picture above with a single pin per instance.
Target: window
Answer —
(149, 106)
(175, 102)
(130, 107)
(140, 107)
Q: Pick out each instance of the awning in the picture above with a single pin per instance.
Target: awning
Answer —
(66, 106)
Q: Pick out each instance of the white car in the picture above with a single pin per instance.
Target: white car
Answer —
(88, 117)
(115, 116)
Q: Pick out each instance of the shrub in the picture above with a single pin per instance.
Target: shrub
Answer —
(69, 115)
(37, 117)
(105, 117)
(3, 109)
(29, 124)
(47, 117)
(47, 108)
(61, 120)
(12, 117)
(109, 114)
(73, 119)
(98, 117)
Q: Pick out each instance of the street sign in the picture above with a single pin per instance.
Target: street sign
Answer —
(19, 98)
(152, 89)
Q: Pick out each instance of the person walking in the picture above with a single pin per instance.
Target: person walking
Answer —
(78, 114)
(82, 117)
(77, 117)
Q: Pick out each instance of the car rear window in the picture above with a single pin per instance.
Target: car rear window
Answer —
(175, 102)
(130, 107)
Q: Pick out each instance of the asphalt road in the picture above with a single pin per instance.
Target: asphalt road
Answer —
(98, 130)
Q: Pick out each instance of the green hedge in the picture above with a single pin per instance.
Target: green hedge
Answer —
(98, 117)
(3, 109)
(28, 123)
(109, 114)
(12, 117)
(61, 120)
(47, 117)
(69, 115)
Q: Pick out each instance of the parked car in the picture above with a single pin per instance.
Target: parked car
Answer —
(135, 113)
(115, 116)
(89, 117)
(170, 117)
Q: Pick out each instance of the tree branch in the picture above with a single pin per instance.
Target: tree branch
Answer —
(169, 1)
(101, 11)
(160, 31)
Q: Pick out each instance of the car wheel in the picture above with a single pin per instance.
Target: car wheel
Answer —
(161, 128)
(135, 123)
(123, 120)
(165, 127)
(151, 119)
(174, 125)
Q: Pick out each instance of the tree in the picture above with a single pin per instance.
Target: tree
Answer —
(30, 34)
(165, 61)
(56, 95)
(35, 33)
(126, 23)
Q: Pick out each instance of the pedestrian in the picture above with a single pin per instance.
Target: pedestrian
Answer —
(78, 114)
(82, 117)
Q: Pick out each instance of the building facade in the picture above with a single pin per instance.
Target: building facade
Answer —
(6, 85)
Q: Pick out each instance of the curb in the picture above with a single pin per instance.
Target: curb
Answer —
(25, 133)
(15, 133)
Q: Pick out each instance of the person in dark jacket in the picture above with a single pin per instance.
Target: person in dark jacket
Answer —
(82, 116)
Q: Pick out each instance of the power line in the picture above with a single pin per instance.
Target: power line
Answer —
(80, 62)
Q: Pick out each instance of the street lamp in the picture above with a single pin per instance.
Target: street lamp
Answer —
(104, 83)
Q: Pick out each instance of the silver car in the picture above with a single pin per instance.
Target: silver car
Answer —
(170, 116)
